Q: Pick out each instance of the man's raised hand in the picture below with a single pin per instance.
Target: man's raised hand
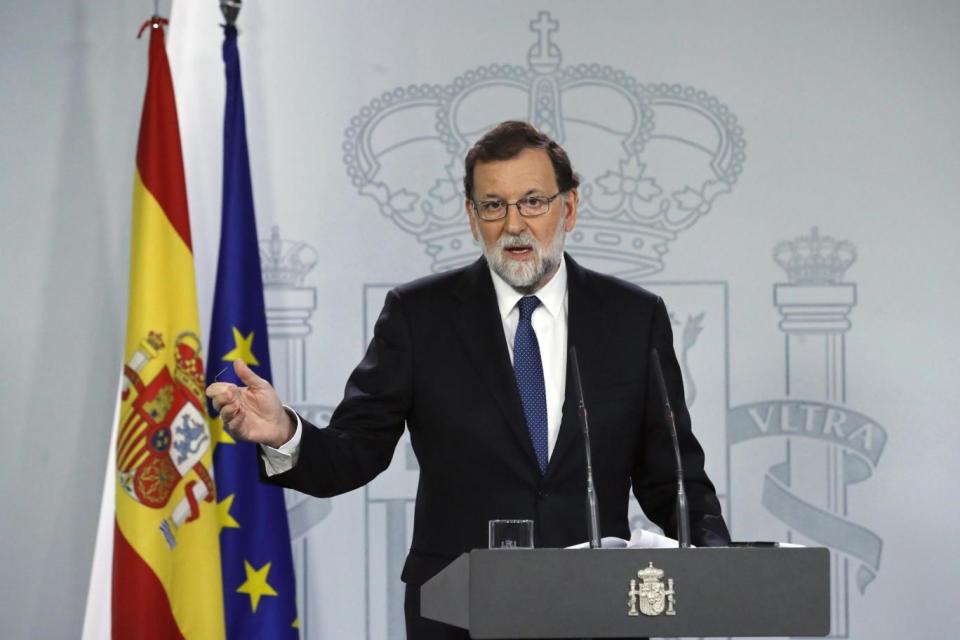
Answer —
(253, 412)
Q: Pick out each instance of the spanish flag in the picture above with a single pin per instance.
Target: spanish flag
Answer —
(166, 554)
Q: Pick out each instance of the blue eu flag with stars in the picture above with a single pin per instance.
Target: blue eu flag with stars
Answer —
(259, 592)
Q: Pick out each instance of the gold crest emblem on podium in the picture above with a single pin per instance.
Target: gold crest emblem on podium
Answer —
(649, 595)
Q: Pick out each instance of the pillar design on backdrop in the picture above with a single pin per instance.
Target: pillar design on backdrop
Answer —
(289, 306)
(826, 446)
(653, 160)
(389, 501)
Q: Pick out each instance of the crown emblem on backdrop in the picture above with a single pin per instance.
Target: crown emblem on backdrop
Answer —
(652, 158)
(815, 259)
(285, 263)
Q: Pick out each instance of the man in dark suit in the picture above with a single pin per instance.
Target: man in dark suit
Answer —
(473, 362)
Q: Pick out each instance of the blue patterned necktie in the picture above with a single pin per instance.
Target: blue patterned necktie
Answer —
(528, 369)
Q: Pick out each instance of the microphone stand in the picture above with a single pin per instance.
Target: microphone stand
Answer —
(593, 512)
(683, 511)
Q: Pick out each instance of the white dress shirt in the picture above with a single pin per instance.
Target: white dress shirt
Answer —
(549, 322)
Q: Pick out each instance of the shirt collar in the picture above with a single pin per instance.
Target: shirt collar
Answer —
(551, 294)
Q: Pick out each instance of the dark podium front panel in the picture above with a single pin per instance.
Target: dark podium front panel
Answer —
(560, 593)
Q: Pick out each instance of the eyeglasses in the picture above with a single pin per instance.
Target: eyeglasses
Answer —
(528, 207)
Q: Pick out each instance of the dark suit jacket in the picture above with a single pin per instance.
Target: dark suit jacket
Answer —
(438, 362)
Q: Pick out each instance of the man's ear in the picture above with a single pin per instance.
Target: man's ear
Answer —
(468, 207)
(570, 201)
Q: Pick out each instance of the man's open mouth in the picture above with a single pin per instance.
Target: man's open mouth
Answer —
(519, 251)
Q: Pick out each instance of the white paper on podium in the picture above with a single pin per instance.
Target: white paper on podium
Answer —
(639, 539)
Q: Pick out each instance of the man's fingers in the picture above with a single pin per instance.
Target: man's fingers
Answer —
(233, 415)
(234, 421)
(229, 395)
(228, 414)
(218, 388)
(246, 374)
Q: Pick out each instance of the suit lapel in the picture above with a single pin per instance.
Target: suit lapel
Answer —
(480, 328)
(585, 331)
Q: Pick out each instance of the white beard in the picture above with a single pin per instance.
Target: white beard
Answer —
(526, 276)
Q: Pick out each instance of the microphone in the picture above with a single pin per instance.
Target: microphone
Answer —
(683, 512)
(593, 513)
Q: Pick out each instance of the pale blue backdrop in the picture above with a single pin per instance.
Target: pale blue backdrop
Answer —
(720, 144)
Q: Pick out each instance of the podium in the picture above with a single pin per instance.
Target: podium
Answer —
(616, 593)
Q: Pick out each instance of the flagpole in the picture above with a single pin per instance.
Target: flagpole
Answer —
(96, 619)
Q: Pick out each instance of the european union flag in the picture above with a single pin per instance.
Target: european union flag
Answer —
(259, 593)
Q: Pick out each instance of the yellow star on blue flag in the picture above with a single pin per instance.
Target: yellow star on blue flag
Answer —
(256, 585)
(242, 349)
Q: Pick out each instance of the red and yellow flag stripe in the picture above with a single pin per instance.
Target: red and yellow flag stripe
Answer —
(166, 567)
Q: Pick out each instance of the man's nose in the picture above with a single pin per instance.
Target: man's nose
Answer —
(514, 223)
